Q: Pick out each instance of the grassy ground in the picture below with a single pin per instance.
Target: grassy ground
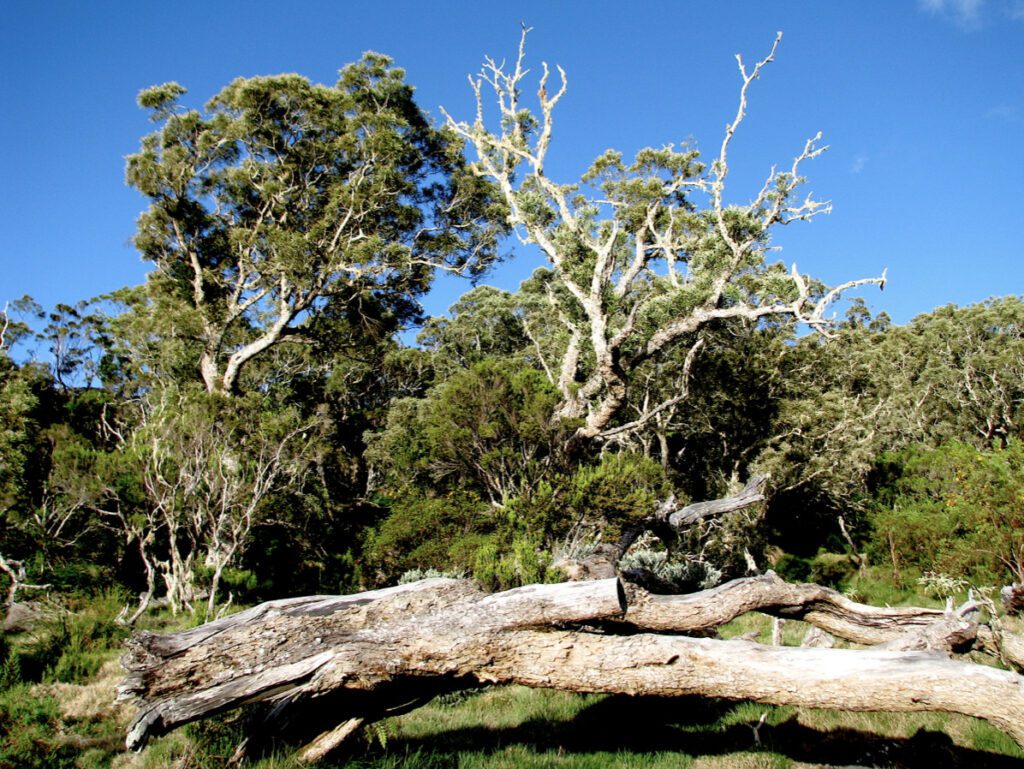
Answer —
(518, 728)
(68, 719)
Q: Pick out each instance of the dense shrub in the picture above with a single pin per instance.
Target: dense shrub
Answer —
(72, 645)
(28, 730)
(487, 428)
(522, 562)
(793, 568)
(442, 533)
(956, 510)
(608, 496)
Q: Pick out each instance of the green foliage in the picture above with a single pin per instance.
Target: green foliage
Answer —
(71, 647)
(832, 569)
(21, 390)
(951, 375)
(214, 739)
(291, 205)
(524, 562)
(793, 568)
(10, 665)
(28, 731)
(609, 497)
(440, 533)
(956, 510)
(731, 413)
(488, 428)
(485, 322)
(616, 493)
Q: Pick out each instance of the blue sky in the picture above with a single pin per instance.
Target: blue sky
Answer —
(921, 102)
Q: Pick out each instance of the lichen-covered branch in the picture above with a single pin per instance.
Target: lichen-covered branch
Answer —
(645, 254)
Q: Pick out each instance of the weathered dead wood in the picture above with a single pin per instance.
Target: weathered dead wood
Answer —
(292, 647)
(329, 741)
(681, 518)
(842, 679)
(824, 608)
(1006, 646)
(442, 633)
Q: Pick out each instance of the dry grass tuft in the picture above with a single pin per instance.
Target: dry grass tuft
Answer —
(93, 701)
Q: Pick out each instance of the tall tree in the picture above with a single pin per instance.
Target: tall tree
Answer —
(643, 255)
(286, 200)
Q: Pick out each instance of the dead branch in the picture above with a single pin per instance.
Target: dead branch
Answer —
(680, 518)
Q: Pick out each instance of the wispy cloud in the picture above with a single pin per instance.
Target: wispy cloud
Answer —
(858, 164)
(1005, 113)
(966, 13)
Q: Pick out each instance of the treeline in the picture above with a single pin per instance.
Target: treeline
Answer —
(246, 425)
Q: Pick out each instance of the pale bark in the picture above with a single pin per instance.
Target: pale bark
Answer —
(824, 608)
(17, 574)
(445, 633)
(682, 517)
(636, 263)
(329, 741)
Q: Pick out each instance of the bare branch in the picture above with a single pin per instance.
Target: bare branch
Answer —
(5, 325)
(684, 392)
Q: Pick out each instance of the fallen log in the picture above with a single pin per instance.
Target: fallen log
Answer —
(293, 646)
(365, 654)
(826, 609)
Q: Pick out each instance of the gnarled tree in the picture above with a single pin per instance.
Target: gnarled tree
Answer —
(643, 255)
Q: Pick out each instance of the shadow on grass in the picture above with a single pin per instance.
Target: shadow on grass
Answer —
(691, 726)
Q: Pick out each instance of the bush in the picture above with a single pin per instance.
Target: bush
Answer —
(498, 569)
(793, 568)
(832, 569)
(28, 731)
(487, 429)
(442, 533)
(956, 510)
(10, 665)
(72, 647)
(607, 497)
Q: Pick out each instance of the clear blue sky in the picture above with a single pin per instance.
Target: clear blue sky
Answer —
(922, 104)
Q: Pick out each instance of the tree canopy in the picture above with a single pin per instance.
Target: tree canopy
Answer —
(287, 202)
(645, 254)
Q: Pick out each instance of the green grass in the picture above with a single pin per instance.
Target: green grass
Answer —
(518, 727)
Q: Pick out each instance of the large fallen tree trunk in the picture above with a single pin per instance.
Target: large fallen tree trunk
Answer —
(366, 654)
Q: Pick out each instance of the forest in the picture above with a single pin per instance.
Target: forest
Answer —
(253, 423)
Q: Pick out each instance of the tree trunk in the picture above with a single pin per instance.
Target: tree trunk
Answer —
(146, 597)
(360, 655)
